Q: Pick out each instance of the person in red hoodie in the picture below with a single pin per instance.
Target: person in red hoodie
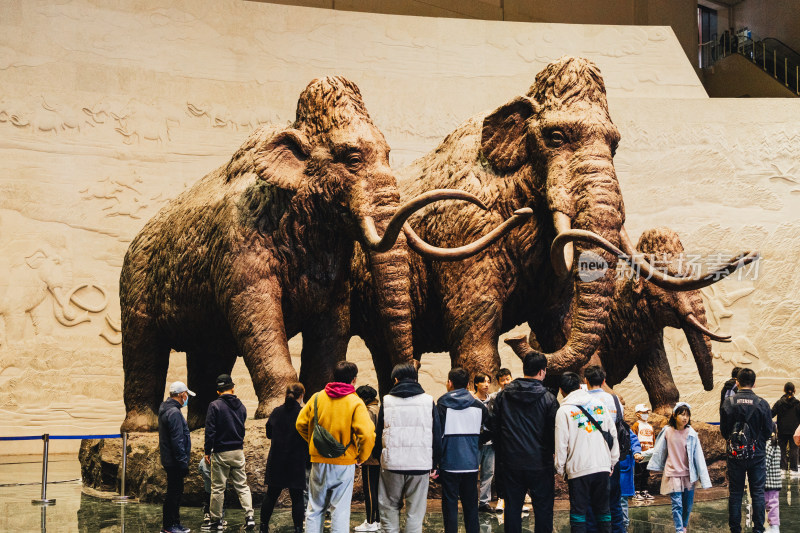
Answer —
(340, 435)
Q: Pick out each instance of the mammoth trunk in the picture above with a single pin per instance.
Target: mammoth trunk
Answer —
(703, 357)
(599, 210)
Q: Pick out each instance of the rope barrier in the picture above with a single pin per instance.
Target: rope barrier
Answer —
(63, 437)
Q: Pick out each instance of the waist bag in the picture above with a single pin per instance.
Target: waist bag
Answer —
(325, 443)
(606, 434)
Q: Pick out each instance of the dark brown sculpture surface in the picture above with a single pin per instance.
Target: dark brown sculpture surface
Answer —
(260, 250)
(634, 334)
(552, 151)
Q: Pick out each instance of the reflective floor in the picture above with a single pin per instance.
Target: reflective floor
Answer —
(75, 511)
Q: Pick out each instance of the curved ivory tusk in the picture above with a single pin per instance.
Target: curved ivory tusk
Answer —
(83, 305)
(562, 223)
(665, 281)
(383, 244)
(462, 252)
(696, 324)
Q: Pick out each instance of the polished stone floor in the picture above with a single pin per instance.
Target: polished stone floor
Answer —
(76, 511)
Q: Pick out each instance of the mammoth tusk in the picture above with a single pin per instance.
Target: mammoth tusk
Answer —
(383, 244)
(562, 223)
(72, 298)
(665, 281)
(696, 324)
(519, 343)
(462, 252)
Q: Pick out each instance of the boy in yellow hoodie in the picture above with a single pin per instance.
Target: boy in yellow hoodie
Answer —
(345, 417)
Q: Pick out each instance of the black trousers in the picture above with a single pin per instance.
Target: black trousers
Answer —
(541, 485)
(371, 475)
(170, 513)
(463, 486)
(589, 492)
(641, 476)
(783, 442)
(756, 471)
(273, 493)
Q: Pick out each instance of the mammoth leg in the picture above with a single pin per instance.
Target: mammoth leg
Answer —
(325, 339)
(476, 335)
(145, 360)
(256, 321)
(202, 369)
(656, 376)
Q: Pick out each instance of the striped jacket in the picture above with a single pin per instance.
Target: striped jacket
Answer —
(773, 467)
(462, 417)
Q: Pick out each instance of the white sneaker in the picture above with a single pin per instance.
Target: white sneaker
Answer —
(500, 505)
(366, 526)
(526, 508)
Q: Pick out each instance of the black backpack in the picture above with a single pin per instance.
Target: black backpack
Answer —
(623, 431)
(741, 445)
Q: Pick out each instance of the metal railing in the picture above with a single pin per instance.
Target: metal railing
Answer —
(771, 55)
(46, 438)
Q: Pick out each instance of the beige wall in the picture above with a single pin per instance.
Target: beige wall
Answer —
(108, 109)
(736, 77)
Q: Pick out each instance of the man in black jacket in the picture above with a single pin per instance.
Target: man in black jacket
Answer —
(224, 450)
(174, 444)
(523, 430)
(729, 387)
(746, 408)
(787, 409)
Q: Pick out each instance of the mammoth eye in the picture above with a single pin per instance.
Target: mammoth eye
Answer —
(557, 138)
(352, 159)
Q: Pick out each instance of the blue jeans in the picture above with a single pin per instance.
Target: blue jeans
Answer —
(756, 471)
(681, 508)
(487, 474)
(623, 503)
(330, 486)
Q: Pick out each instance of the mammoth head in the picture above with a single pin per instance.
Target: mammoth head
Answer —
(336, 152)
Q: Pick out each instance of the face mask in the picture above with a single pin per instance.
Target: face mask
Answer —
(644, 416)
(186, 401)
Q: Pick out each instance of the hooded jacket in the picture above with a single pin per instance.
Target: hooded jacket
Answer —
(174, 442)
(345, 416)
(522, 423)
(787, 409)
(409, 433)
(580, 448)
(225, 424)
(462, 416)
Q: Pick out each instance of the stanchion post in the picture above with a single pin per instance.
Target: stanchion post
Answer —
(122, 498)
(44, 500)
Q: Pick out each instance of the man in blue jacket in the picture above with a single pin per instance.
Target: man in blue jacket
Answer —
(462, 416)
(174, 445)
(224, 451)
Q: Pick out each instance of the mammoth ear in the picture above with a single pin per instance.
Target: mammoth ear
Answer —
(283, 160)
(503, 139)
(36, 259)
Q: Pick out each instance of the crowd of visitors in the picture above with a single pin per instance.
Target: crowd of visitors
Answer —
(475, 443)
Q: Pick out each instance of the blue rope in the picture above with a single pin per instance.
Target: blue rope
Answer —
(63, 437)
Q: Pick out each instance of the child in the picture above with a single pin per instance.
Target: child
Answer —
(626, 469)
(371, 469)
(772, 487)
(679, 455)
(644, 432)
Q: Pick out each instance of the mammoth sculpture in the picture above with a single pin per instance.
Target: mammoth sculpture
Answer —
(260, 250)
(634, 333)
(550, 150)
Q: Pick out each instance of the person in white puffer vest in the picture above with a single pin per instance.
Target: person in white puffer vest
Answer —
(409, 443)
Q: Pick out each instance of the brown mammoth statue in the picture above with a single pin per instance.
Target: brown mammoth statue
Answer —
(550, 150)
(634, 333)
(260, 250)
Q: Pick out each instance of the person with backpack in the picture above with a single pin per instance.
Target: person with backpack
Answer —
(462, 417)
(371, 469)
(745, 421)
(773, 485)
(287, 459)
(224, 452)
(787, 409)
(595, 378)
(679, 456)
(409, 444)
(523, 421)
(336, 425)
(586, 451)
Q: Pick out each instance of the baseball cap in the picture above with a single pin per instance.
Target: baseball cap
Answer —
(224, 382)
(641, 408)
(179, 387)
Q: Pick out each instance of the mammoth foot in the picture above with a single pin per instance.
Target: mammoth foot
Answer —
(140, 421)
(265, 407)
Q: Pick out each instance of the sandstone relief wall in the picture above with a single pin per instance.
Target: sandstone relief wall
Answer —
(108, 109)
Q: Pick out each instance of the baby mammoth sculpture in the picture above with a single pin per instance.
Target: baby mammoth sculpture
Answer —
(260, 250)
(551, 150)
(634, 333)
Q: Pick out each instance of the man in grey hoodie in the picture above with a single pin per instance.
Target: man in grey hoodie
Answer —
(583, 454)
(462, 416)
